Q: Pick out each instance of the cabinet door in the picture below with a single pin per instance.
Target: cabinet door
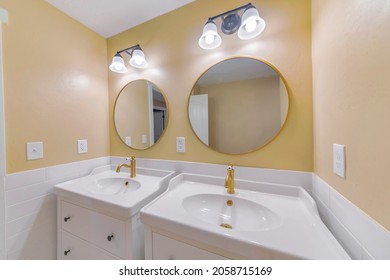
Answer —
(165, 248)
(74, 248)
(101, 230)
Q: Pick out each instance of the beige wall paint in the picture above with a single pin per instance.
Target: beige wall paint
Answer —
(351, 66)
(254, 103)
(55, 74)
(133, 120)
(175, 61)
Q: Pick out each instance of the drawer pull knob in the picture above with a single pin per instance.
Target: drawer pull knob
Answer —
(110, 237)
(66, 219)
(66, 252)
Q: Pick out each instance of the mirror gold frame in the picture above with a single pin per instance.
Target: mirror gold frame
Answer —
(271, 138)
(166, 121)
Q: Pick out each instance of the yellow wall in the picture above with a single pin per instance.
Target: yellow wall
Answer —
(351, 68)
(55, 73)
(170, 43)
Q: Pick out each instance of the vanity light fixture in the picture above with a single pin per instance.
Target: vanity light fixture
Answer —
(248, 26)
(137, 59)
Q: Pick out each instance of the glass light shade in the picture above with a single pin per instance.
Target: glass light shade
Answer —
(118, 64)
(138, 60)
(210, 38)
(252, 24)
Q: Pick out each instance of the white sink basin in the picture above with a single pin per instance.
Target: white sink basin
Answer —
(231, 212)
(116, 193)
(265, 221)
(114, 186)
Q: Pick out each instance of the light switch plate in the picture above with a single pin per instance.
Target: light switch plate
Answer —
(144, 139)
(180, 144)
(339, 160)
(82, 146)
(34, 150)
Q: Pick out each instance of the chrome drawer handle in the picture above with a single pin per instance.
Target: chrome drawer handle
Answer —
(66, 219)
(110, 237)
(66, 252)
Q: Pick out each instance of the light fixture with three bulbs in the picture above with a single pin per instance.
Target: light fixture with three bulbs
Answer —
(137, 59)
(249, 26)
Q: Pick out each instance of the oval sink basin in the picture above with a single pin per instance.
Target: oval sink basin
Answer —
(231, 212)
(114, 186)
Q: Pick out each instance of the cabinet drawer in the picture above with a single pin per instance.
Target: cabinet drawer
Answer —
(165, 248)
(103, 231)
(74, 248)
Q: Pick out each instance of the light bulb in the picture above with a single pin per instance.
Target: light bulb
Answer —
(250, 26)
(137, 60)
(209, 39)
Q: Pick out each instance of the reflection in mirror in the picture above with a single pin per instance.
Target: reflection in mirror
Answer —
(140, 114)
(238, 105)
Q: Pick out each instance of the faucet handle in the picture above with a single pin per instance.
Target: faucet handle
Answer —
(230, 167)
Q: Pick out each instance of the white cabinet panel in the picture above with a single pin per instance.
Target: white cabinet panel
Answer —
(165, 248)
(74, 248)
(103, 231)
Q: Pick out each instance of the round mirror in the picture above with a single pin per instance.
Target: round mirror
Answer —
(140, 114)
(238, 105)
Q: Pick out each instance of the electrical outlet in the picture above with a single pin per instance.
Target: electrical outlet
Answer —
(339, 160)
(180, 144)
(144, 139)
(82, 146)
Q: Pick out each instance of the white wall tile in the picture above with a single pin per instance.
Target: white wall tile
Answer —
(321, 190)
(38, 243)
(370, 234)
(30, 222)
(47, 213)
(351, 225)
(19, 195)
(17, 180)
(345, 238)
(26, 208)
(303, 179)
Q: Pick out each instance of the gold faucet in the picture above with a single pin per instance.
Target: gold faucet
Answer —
(229, 180)
(131, 166)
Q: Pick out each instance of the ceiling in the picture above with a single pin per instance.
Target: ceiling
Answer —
(110, 17)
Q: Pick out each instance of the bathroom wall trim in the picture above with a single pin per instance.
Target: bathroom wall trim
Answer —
(3, 19)
(31, 207)
(275, 176)
(360, 235)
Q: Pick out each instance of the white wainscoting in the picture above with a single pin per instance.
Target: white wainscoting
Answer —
(30, 219)
(361, 236)
(31, 208)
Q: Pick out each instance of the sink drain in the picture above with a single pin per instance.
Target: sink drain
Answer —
(226, 226)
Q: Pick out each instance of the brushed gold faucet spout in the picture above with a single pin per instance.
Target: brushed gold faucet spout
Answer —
(229, 180)
(131, 166)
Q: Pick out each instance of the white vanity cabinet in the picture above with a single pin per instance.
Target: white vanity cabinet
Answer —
(161, 247)
(87, 234)
(98, 215)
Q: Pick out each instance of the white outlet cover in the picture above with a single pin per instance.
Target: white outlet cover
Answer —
(34, 150)
(339, 160)
(82, 146)
(180, 144)
(144, 139)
